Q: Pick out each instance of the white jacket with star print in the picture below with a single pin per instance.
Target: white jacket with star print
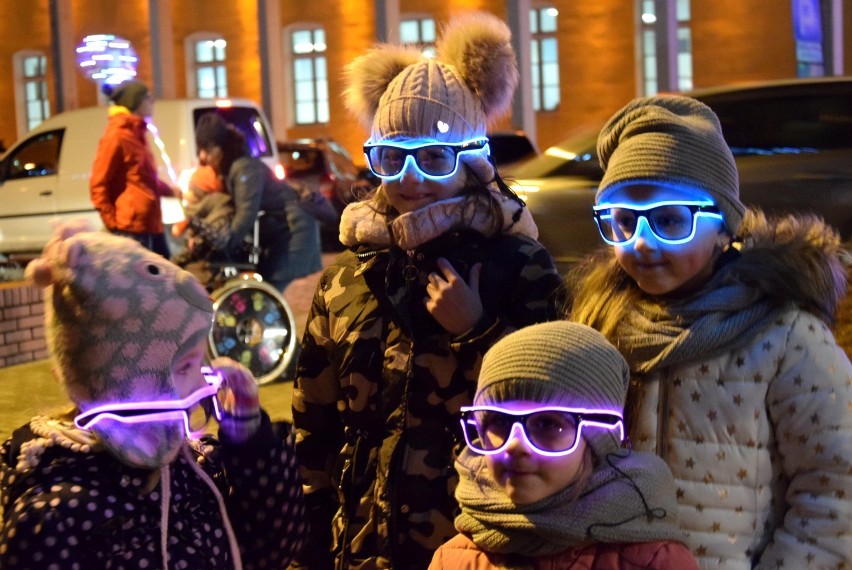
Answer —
(757, 429)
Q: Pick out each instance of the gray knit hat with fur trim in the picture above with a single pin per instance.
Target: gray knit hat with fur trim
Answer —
(400, 94)
(674, 140)
(558, 363)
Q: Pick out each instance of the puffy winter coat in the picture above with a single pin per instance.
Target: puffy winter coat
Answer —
(380, 383)
(123, 185)
(66, 504)
(461, 553)
(756, 426)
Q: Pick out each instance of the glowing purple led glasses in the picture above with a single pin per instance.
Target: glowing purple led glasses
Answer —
(195, 410)
(552, 431)
(672, 222)
(433, 160)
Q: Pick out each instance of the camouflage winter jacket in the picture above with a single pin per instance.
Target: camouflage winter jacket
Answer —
(380, 384)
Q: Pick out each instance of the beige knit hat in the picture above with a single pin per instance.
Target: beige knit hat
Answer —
(559, 363)
(399, 94)
(670, 139)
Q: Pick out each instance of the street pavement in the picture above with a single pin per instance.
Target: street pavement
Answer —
(30, 389)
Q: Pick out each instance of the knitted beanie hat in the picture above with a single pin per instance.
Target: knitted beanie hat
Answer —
(399, 94)
(670, 140)
(129, 93)
(558, 363)
(116, 315)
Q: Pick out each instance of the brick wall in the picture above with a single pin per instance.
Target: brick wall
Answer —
(21, 324)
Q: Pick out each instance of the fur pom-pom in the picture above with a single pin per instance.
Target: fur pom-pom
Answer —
(368, 76)
(479, 46)
(39, 272)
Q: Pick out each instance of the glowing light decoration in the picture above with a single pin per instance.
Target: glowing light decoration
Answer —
(106, 58)
(433, 160)
(163, 410)
(488, 430)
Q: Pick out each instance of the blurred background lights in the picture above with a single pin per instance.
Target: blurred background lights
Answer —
(106, 58)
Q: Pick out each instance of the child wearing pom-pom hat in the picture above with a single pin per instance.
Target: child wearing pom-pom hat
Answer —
(441, 261)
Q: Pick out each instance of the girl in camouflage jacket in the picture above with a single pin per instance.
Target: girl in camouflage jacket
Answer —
(440, 264)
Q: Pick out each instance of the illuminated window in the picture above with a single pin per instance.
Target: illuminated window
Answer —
(208, 78)
(544, 55)
(648, 33)
(33, 104)
(310, 75)
(420, 32)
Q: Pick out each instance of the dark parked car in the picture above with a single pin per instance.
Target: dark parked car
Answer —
(792, 141)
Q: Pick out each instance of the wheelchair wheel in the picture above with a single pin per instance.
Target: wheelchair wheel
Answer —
(253, 325)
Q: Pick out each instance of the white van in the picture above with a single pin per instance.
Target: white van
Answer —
(45, 176)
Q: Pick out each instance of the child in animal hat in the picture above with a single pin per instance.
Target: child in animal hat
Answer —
(122, 480)
(545, 481)
(440, 263)
(724, 317)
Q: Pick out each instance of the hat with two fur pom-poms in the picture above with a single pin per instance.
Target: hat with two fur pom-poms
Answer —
(400, 94)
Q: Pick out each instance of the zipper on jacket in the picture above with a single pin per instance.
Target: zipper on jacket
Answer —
(663, 417)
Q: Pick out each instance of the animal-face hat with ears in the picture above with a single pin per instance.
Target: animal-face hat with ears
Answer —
(400, 94)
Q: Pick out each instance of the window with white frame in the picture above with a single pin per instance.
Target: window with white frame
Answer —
(418, 31)
(544, 56)
(207, 75)
(310, 75)
(33, 104)
(649, 24)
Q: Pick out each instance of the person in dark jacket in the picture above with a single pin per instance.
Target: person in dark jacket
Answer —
(545, 480)
(440, 263)
(124, 185)
(289, 235)
(127, 478)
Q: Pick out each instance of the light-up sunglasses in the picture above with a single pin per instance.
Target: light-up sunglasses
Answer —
(672, 222)
(433, 160)
(552, 431)
(195, 410)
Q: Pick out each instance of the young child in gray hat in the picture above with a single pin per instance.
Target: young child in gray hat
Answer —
(724, 317)
(545, 481)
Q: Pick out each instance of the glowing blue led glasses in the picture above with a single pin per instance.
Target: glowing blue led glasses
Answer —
(552, 431)
(672, 222)
(433, 160)
(195, 410)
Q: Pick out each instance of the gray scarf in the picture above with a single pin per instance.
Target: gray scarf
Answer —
(627, 498)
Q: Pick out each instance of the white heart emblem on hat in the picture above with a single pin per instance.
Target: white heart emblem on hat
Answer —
(443, 127)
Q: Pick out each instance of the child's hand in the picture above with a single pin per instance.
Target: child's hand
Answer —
(455, 304)
(239, 399)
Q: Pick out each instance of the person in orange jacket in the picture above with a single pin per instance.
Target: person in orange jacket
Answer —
(124, 185)
(545, 480)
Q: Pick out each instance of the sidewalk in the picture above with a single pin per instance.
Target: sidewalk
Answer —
(30, 389)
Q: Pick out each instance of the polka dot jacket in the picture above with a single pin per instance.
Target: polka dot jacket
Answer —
(66, 504)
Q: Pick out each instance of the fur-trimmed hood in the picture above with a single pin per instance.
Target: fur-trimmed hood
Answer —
(796, 258)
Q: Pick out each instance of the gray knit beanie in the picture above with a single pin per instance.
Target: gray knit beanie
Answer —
(675, 140)
(559, 363)
(128, 94)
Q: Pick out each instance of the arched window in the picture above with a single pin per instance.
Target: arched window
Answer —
(31, 96)
(207, 77)
(309, 76)
(544, 56)
(418, 30)
(654, 20)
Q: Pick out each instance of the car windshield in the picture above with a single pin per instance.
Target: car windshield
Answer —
(573, 156)
(249, 123)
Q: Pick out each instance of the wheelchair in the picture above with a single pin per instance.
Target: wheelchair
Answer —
(252, 322)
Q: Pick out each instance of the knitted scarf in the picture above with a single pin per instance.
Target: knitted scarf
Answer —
(627, 498)
(362, 223)
(786, 262)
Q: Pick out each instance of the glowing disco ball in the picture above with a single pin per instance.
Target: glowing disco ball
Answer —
(106, 58)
